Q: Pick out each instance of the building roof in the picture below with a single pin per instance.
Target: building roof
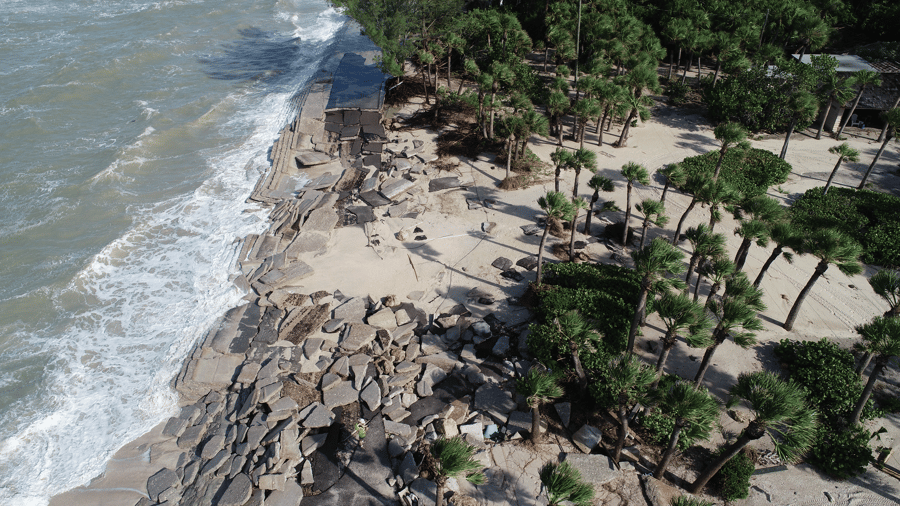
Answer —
(846, 62)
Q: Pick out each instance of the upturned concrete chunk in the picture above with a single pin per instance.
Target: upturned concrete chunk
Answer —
(432, 376)
(401, 429)
(319, 416)
(272, 481)
(586, 438)
(248, 373)
(502, 263)
(160, 482)
(444, 183)
(358, 336)
(383, 319)
(308, 158)
(237, 492)
(495, 401)
(409, 471)
(394, 188)
(445, 360)
(213, 446)
(351, 311)
(371, 395)
(175, 426)
(290, 496)
(595, 469)
(340, 395)
(564, 410)
(191, 436)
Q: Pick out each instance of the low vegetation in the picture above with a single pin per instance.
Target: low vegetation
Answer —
(870, 218)
(748, 171)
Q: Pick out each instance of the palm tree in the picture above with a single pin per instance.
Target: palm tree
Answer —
(561, 158)
(803, 107)
(558, 106)
(716, 194)
(539, 387)
(696, 184)
(886, 125)
(639, 109)
(582, 159)
(834, 89)
(737, 315)
(454, 457)
(580, 335)
(863, 78)
(597, 183)
(557, 207)
(843, 151)
(729, 135)
(892, 120)
(705, 244)
(881, 337)
(629, 379)
(781, 412)
(577, 205)
(584, 109)
(885, 283)
(632, 172)
(718, 271)
(688, 406)
(652, 263)
(532, 123)
(674, 175)
(563, 485)
(609, 94)
(784, 235)
(762, 213)
(831, 247)
(678, 314)
(650, 208)
(676, 31)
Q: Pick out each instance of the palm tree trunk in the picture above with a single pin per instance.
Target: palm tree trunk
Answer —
(439, 493)
(880, 362)
(540, 265)
(536, 423)
(820, 269)
(699, 68)
(718, 68)
(670, 451)
(681, 221)
(556, 181)
(669, 76)
(712, 217)
(850, 114)
(687, 67)
(668, 342)
(712, 292)
(509, 154)
(623, 138)
(644, 228)
(833, 172)
(862, 183)
(662, 200)
(546, 57)
(638, 314)
(775, 253)
(752, 432)
(741, 257)
(575, 186)
(449, 56)
(623, 429)
(824, 118)
(559, 133)
(719, 164)
(887, 125)
(704, 365)
(864, 363)
(627, 216)
(425, 81)
(572, 236)
(787, 137)
(697, 287)
(692, 264)
(590, 213)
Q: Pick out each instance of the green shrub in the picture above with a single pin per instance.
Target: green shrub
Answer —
(606, 294)
(871, 218)
(842, 453)
(826, 371)
(677, 92)
(733, 479)
(750, 171)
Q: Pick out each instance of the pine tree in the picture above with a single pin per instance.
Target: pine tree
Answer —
(863, 78)
(688, 406)
(632, 172)
(557, 207)
(881, 337)
(679, 314)
(729, 135)
(629, 378)
(654, 212)
(597, 183)
(652, 263)
(892, 122)
(674, 175)
(844, 152)
(784, 235)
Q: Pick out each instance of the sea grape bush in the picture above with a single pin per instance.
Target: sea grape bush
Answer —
(826, 372)
(871, 218)
(751, 172)
(734, 477)
(606, 294)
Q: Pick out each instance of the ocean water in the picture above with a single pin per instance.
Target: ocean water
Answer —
(131, 134)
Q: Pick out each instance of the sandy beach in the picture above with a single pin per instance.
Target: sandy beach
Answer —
(433, 250)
